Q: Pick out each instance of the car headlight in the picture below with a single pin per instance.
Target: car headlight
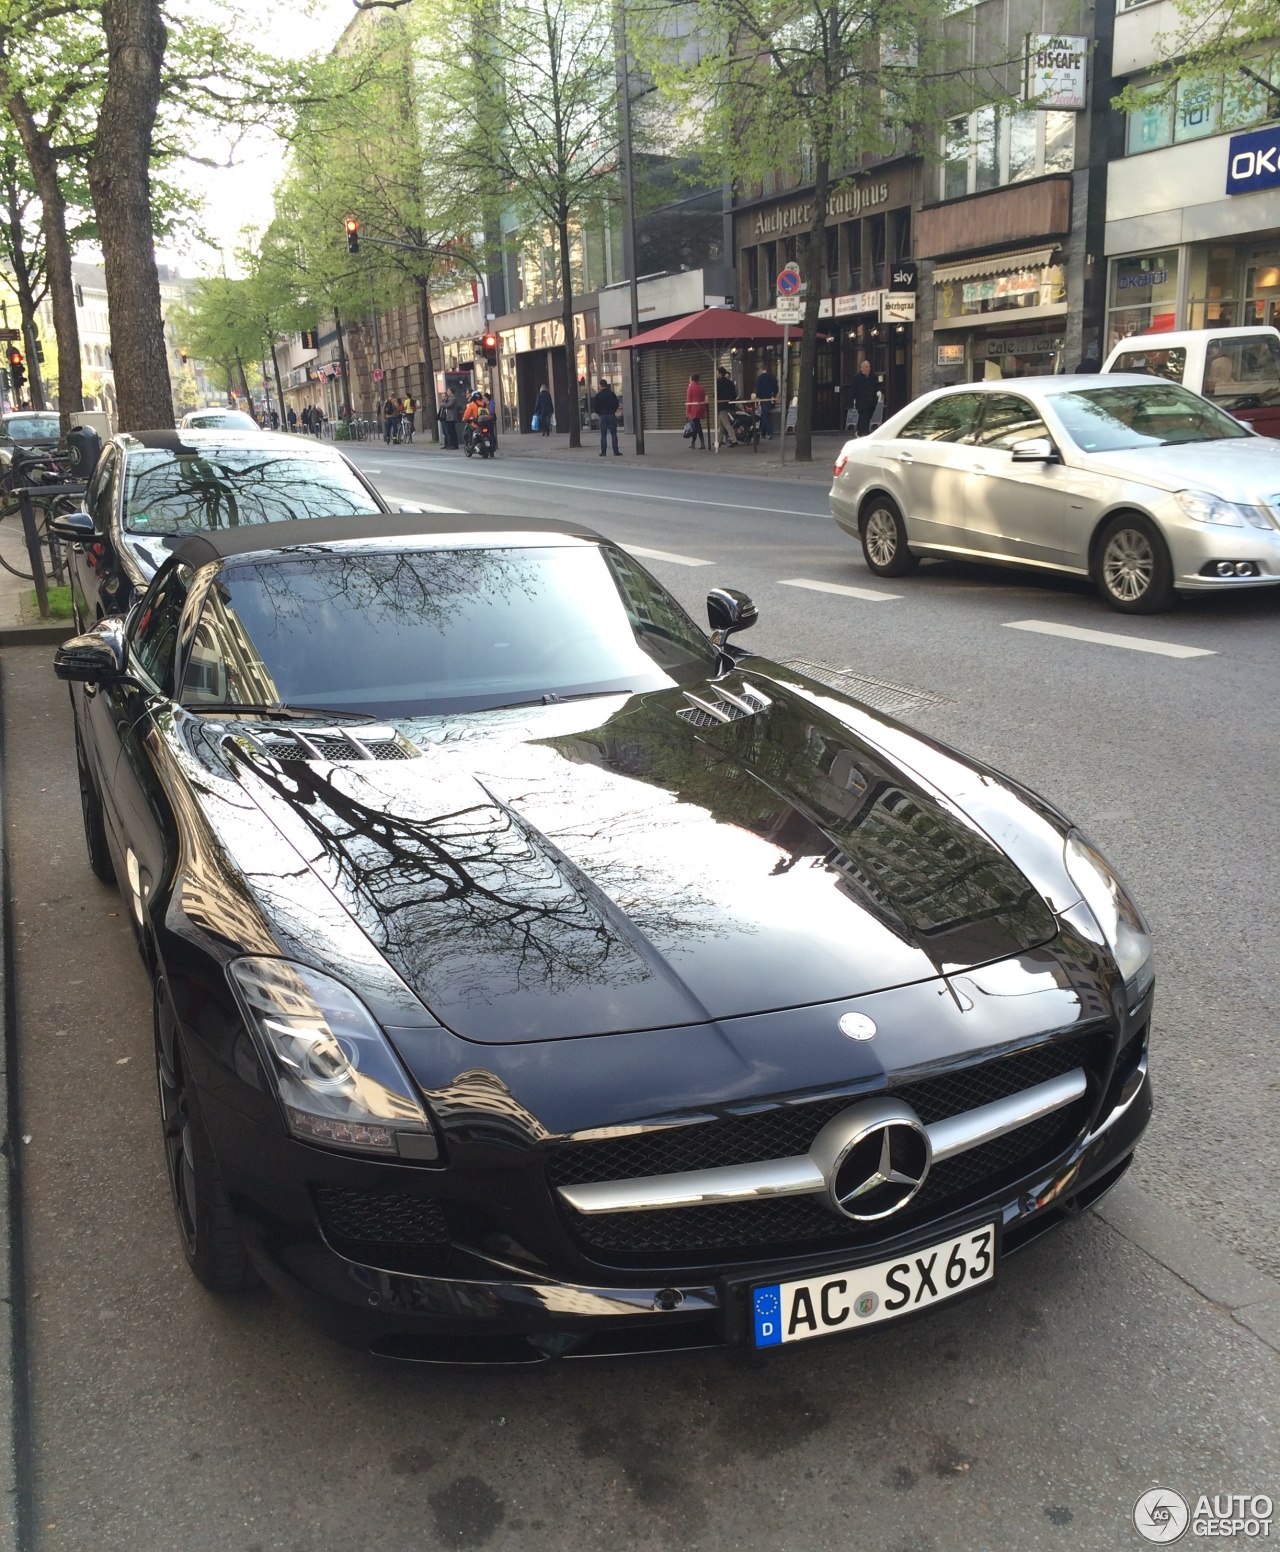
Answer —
(339, 1081)
(1202, 507)
(1120, 920)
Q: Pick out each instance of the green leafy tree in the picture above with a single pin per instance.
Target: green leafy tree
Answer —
(817, 88)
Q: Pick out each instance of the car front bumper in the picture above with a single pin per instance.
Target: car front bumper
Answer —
(501, 1313)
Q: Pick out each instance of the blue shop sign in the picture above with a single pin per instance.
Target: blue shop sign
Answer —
(1253, 161)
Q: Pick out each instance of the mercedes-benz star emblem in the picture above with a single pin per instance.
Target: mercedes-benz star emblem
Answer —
(874, 1157)
(857, 1026)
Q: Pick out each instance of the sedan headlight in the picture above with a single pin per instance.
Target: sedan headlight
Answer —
(1122, 923)
(339, 1081)
(1202, 507)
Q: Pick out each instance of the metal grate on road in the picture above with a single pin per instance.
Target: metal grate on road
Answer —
(893, 699)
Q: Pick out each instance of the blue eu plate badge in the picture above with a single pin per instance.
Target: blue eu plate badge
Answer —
(768, 1315)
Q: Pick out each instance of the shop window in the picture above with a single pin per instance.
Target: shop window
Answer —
(989, 148)
(1143, 295)
(1262, 289)
(1150, 127)
(1195, 113)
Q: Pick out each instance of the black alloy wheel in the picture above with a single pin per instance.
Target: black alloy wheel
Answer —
(1133, 569)
(884, 539)
(211, 1242)
(95, 826)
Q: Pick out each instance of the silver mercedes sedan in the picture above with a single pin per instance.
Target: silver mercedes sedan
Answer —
(1138, 483)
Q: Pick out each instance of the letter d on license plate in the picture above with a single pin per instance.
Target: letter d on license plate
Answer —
(842, 1301)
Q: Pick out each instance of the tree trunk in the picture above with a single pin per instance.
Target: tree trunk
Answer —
(275, 369)
(26, 297)
(570, 349)
(430, 407)
(344, 364)
(811, 269)
(62, 298)
(120, 180)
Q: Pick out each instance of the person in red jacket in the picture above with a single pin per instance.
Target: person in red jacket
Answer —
(695, 410)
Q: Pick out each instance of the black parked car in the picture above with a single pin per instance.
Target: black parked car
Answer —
(149, 491)
(27, 431)
(536, 976)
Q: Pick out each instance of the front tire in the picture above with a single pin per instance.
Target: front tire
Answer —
(207, 1230)
(1134, 571)
(884, 539)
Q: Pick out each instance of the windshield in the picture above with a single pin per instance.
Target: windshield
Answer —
(1110, 420)
(221, 420)
(195, 489)
(32, 428)
(430, 631)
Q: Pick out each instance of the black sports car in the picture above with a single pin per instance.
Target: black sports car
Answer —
(536, 976)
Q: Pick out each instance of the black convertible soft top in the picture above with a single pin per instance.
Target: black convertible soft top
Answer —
(218, 544)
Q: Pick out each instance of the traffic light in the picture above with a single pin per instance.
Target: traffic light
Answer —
(17, 371)
(489, 349)
(353, 234)
(182, 356)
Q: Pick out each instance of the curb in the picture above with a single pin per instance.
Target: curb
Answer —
(15, 1480)
(52, 632)
(1250, 1297)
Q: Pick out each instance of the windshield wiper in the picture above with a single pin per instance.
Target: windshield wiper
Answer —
(552, 699)
(288, 713)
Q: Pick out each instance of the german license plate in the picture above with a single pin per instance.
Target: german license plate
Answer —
(843, 1301)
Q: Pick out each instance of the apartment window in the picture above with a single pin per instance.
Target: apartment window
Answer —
(1196, 111)
(853, 253)
(987, 149)
(831, 260)
(1202, 107)
(752, 272)
(877, 235)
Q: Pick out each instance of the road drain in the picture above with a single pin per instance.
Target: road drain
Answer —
(895, 699)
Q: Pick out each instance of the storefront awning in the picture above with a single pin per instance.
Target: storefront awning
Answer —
(997, 264)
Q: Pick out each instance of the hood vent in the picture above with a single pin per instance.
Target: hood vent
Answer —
(366, 742)
(717, 705)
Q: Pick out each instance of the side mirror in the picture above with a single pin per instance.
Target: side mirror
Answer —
(94, 658)
(75, 527)
(1035, 450)
(729, 610)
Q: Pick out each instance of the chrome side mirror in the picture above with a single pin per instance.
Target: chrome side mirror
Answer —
(729, 610)
(97, 657)
(75, 527)
(1035, 450)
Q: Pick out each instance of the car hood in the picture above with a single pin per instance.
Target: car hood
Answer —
(1244, 469)
(598, 867)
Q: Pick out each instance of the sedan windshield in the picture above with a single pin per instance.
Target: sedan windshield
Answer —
(431, 631)
(1111, 420)
(199, 488)
(31, 428)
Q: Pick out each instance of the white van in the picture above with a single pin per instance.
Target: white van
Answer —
(1239, 369)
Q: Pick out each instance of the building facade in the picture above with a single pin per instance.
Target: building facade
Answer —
(1192, 235)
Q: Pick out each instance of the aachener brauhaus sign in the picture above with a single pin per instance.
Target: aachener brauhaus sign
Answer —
(851, 197)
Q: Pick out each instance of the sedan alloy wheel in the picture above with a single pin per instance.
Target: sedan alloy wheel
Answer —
(884, 540)
(1134, 570)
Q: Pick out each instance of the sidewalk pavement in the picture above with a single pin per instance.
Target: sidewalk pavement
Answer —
(663, 450)
(20, 620)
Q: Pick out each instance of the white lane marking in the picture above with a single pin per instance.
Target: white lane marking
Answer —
(1109, 638)
(867, 593)
(676, 560)
(635, 495)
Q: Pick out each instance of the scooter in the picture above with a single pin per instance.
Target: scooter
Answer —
(480, 436)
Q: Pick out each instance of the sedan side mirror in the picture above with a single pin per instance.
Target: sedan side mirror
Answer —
(1035, 450)
(94, 658)
(729, 610)
(75, 527)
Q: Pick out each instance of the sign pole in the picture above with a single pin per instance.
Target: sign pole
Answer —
(786, 344)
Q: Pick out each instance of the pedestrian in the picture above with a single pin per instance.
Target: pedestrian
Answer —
(606, 406)
(410, 414)
(291, 418)
(726, 398)
(695, 410)
(766, 394)
(274, 417)
(543, 410)
(865, 394)
(1089, 362)
(317, 421)
(452, 417)
(389, 417)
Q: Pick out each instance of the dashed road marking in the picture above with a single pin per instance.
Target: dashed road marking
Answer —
(869, 594)
(676, 560)
(1109, 638)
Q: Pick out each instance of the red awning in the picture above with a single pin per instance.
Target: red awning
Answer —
(712, 326)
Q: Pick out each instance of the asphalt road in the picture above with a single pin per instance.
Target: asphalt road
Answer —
(167, 1419)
